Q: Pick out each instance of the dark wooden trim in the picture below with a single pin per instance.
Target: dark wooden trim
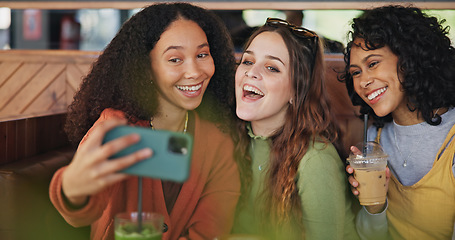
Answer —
(24, 138)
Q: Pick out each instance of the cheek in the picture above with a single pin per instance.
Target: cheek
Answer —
(210, 68)
(238, 77)
(282, 91)
(356, 85)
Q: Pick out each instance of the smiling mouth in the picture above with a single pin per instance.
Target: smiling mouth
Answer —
(376, 93)
(252, 92)
(187, 88)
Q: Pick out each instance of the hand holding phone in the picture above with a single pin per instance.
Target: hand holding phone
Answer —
(171, 152)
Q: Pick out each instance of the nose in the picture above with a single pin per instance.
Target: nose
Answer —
(252, 73)
(193, 70)
(366, 81)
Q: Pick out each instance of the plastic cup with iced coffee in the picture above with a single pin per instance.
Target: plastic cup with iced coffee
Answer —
(369, 164)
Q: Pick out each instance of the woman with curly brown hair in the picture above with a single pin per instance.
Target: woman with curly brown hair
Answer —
(401, 70)
(293, 178)
(170, 67)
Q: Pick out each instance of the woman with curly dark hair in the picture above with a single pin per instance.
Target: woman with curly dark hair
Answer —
(294, 184)
(155, 73)
(401, 70)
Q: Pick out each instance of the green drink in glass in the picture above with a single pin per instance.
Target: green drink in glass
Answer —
(127, 226)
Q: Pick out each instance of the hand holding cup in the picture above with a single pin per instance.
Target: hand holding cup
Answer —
(370, 176)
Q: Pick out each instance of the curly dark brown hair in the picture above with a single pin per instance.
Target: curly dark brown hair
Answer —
(121, 76)
(426, 58)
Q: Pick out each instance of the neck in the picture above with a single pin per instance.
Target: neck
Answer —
(266, 127)
(405, 117)
(173, 121)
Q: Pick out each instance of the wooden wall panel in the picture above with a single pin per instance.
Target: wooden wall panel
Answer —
(11, 139)
(21, 136)
(28, 137)
(16, 82)
(7, 69)
(51, 99)
(33, 89)
(3, 143)
(37, 83)
(74, 76)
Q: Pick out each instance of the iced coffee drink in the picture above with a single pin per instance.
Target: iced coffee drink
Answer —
(369, 165)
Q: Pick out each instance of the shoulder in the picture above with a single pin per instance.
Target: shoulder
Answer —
(322, 165)
(373, 131)
(110, 113)
(321, 150)
(320, 157)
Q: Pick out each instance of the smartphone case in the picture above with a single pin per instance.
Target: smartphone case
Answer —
(171, 158)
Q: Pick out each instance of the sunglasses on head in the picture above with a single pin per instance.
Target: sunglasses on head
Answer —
(297, 31)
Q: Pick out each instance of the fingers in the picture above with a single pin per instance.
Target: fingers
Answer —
(113, 166)
(354, 191)
(107, 173)
(355, 150)
(387, 173)
(91, 171)
(354, 184)
(107, 180)
(112, 147)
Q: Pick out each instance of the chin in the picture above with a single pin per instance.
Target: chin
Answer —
(380, 113)
(191, 106)
(245, 115)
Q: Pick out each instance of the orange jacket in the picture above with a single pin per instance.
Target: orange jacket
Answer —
(204, 208)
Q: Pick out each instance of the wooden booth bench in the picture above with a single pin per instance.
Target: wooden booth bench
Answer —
(35, 90)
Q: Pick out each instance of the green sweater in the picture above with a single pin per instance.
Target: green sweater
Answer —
(323, 189)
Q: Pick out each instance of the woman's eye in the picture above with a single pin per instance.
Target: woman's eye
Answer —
(272, 69)
(372, 64)
(175, 60)
(246, 62)
(202, 55)
(355, 73)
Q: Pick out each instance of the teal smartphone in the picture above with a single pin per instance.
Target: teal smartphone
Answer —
(171, 158)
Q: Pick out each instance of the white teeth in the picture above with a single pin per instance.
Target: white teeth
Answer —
(253, 89)
(376, 93)
(190, 88)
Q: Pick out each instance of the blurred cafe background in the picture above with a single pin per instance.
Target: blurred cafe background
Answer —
(91, 29)
(47, 47)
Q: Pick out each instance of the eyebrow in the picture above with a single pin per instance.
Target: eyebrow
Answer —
(267, 56)
(366, 59)
(180, 47)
